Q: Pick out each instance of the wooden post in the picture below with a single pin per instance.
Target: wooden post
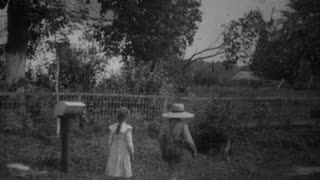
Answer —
(57, 81)
(65, 126)
(310, 82)
(165, 104)
(280, 84)
(58, 130)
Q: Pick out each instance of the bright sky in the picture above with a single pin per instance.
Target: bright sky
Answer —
(219, 12)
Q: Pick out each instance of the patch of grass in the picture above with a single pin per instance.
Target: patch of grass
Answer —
(239, 91)
(255, 155)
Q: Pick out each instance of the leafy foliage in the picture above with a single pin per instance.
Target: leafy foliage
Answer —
(289, 48)
(204, 73)
(79, 69)
(148, 30)
(236, 43)
(212, 128)
(180, 81)
(137, 78)
(31, 21)
(41, 18)
(240, 36)
(3, 4)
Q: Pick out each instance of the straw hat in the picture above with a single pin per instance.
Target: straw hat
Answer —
(177, 111)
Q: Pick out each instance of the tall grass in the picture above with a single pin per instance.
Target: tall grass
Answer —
(240, 91)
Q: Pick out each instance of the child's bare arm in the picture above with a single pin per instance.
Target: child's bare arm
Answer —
(110, 139)
(188, 138)
(130, 142)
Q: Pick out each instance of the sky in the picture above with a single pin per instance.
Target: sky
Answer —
(219, 12)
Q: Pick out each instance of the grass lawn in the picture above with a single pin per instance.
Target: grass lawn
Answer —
(240, 91)
(255, 155)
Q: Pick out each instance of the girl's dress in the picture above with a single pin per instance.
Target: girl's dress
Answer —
(121, 146)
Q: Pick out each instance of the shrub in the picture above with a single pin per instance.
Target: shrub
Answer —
(262, 114)
(211, 130)
(137, 78)
(154, 127)
(256, 83)
(299, 86)
(45, 125)
(10, 121)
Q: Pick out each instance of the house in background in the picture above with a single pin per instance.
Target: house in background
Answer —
(246, 78)
(245, 75)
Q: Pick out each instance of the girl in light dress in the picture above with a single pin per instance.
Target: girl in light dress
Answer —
(121, 150)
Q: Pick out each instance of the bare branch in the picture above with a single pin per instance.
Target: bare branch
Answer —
(209, 48)
(218, 51)
(215, 41)
(205, 50)
(197, 59)
(202, 58)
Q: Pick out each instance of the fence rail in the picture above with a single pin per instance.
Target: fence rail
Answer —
(101, 108)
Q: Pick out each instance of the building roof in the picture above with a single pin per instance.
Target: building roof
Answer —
(245, 75)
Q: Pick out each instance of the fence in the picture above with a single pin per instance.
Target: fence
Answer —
(101, 108)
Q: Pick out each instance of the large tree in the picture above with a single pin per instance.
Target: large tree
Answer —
(80, 69)
(148, 30)
(236, 42)
(28, 22)
(289, 48)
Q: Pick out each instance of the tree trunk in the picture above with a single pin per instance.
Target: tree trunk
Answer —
(15, 66)
(310, 82)
(57, 82)
(16, 52)
(16, 49)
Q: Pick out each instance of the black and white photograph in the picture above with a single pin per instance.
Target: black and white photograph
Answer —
(159, 89)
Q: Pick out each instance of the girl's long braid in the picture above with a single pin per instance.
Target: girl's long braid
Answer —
(122, 114)
(118, 128)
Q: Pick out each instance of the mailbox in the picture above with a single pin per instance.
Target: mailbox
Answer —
(67, 110)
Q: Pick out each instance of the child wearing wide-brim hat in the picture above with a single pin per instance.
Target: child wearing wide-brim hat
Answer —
(175, 137)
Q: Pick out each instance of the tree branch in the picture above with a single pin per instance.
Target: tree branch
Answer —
(190, 61)
(219, 50)
(204, 57)
(205, 50)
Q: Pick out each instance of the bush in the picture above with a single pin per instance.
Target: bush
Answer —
(137, 78)
(28, 114)
(154, 127)
(10, 121)
(262, 114)
(256, 84)
(45, 125)
(299, 86)
(211, 131)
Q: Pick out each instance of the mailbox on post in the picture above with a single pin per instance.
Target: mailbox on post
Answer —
(67, 110)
